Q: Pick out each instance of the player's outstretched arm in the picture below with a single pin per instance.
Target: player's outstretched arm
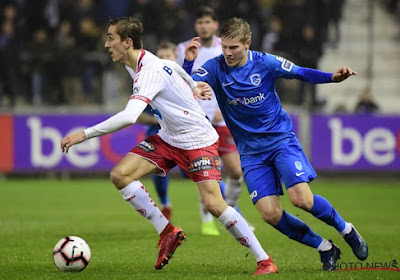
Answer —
(192, 50)
(342, 74)
(72, 139)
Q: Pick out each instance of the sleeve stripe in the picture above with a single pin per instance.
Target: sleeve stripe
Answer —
(141, 97)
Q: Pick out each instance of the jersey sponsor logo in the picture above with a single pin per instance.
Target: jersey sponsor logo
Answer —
(280, 58)
(141, 97)
(299, 173)
(255, 79)
(253, 194)
(247, 100)
(201, 72)
(200, 163)
(287, 65)
(224, 84)
(147, 146)
(135, 90)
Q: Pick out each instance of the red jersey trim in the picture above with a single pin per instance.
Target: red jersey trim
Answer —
(142, 53)
(141, 97)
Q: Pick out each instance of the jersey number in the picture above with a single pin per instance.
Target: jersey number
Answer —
(168, 70)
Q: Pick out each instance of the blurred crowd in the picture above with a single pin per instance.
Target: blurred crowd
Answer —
(52, 53)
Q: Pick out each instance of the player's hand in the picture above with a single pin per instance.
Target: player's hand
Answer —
(203, 91)
(342, 74)
(71, 140)
(192, 50)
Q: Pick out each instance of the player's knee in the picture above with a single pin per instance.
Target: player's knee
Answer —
(215, 207)
(236, 174)
(302, 203)
(119, 178)
(272, 216)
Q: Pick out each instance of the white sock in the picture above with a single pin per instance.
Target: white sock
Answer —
(238, 227)
(233, 188)
(324, 246)
(139, 198)
(205, 215)
(347, 229)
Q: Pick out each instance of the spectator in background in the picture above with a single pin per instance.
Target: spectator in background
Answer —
(271, 39)
(366, 105)
(70, 59)
(9, 61)
(88, 43)
(149, 13)
(308, 55)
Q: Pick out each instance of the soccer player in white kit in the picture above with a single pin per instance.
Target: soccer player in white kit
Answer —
(206, 27)
(186, 138)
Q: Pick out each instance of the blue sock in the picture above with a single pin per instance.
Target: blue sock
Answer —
(161, 184)
(297, 230)
(324, 211)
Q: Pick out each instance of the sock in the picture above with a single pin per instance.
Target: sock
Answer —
(346, 230)
(324, 246)
(161, 185)
(238, 227)
(324, 211)
(138, 197)
(297, 230)
(233, 188)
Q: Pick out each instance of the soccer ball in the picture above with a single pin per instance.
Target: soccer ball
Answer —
(71, 253)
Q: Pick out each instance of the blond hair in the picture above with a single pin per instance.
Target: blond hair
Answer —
(236, 28)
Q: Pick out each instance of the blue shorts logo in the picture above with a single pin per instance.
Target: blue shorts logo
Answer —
(298, 165)
(253, 194)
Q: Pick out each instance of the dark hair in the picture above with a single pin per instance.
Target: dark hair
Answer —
(206, 11)
(164, 45)
(129, 27)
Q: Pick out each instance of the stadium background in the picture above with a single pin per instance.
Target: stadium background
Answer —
(56, 77)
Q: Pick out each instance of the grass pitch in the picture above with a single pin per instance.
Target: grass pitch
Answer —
(35, 214)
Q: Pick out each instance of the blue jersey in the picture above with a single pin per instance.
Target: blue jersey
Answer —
(248, 101)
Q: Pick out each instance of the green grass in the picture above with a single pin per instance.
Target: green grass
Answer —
(35, 214)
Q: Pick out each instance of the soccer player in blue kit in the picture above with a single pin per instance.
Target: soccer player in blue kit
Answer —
(243, 81)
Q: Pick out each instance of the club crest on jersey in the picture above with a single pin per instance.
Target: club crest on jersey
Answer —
(201, 72)
(255, 79)
(200, 163)
(298, 165)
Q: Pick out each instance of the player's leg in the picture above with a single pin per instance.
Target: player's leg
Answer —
(203, 167)
(125, 176)
(302, 197)
(297, 171)
(161, 186)
(143, 160)
(234, 180)
(264, 185)
(235, 224)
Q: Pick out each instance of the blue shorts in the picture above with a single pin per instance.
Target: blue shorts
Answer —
(264, 173)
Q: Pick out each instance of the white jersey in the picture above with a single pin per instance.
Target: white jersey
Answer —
(205, 53)
(183, 122)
